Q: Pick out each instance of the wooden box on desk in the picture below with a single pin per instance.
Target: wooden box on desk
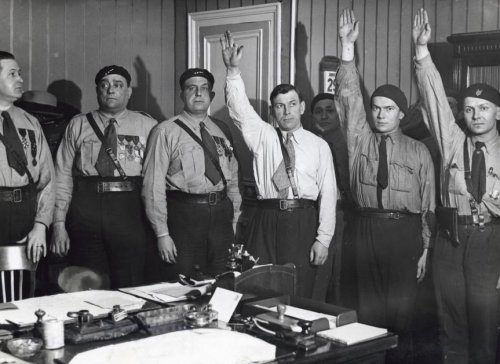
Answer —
(344, 315)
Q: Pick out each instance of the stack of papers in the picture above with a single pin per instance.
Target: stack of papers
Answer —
(352, 333)
(302, 314)
(167, 292)
(98, 303)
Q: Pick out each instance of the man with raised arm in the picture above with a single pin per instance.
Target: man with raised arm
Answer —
(392, 179)
(295, 180)
(466, 263)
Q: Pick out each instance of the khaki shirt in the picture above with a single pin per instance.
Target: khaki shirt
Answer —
(39, 160)
(411, 172)
(176, 162)
(450, 139)
(79, 149)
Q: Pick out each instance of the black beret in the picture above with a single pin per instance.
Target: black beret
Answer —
(483, 91)
(113, 70)
(196, 72)
(321, 96)
(394, 93)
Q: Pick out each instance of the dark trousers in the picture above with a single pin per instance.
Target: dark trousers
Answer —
(17, 219)
(465, 278)
(281, 237)
(107, 233)
(387, 253)
(202, 234)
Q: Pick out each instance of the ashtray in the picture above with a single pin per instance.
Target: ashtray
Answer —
(24, 347)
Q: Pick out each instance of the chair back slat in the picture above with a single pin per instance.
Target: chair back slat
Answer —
(4, 295)
(13, 258)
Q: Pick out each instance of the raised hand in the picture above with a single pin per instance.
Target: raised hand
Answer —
(421, 28)
(348, 27)
(231, 52)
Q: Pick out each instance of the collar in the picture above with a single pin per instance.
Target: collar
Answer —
(394, 137)
(297, 134)
(120, 117)
(194, 124)
(490, 144)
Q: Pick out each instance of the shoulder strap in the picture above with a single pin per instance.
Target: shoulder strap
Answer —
(467, 167)
(109, 151)
(214, 159)
(16, 156)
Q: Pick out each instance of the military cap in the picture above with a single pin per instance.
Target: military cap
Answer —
(483, 91)
(196, 72)
(113, 70)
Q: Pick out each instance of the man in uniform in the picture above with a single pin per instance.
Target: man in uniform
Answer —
(392, 179)
(26, 168)
(295, 180)
(466, 262)
(328, 126)
(190, 189)
(98, 219)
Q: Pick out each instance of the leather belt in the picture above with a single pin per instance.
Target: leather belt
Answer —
(384, 214)
(286, 205)
(468, 220)
(105, 186)
(14, 196)
(212, 198)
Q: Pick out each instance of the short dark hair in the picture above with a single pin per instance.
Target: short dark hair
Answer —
(6, 55)
(284, 88)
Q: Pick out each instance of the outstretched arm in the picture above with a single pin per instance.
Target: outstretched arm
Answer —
(348, 33)
(231, 54)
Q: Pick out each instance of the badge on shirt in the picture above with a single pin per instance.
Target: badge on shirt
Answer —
(223, 147)
(131, 148)
(28, 141)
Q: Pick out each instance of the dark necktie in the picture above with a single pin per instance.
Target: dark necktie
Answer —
(211, 171)
(383, 171)
(20, 162)
(478, 173)
(280, 177)
(104, 164)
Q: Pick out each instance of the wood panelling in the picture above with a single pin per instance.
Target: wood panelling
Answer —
(63, 43)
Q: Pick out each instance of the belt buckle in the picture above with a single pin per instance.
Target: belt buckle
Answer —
(283, 205)
(17, 195)
(212, 198)
(101, 187)
(394, 215)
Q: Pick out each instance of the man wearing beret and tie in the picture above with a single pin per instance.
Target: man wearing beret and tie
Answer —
(190, 187)
(98, 218)
(26, 168)
(392, 180)
(466, 260)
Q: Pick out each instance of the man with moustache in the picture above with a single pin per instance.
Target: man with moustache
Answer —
(26, 168)
(295, 181)
(190, 190)
(98, 219)
(392, 179)
(466, 257)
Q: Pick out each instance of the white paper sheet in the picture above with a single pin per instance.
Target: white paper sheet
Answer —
(212, 346)
(224, 302)
(302, 314)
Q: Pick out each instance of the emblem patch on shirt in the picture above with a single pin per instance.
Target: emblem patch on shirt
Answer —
(223, 147)
(131, 148)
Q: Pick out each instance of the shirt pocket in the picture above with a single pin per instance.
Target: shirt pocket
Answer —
(456, 184)
(88, 154)
(368, 170)
(401, 175)
(192, 160)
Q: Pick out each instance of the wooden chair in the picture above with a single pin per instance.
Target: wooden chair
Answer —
(14, 264)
